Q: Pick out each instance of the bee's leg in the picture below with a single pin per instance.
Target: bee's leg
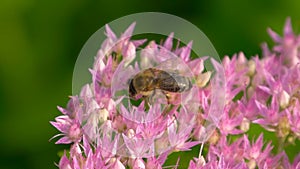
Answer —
(151, 98)
(167, 96)
(146, 101)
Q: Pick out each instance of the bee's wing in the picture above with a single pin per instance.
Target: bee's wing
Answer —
(173, 82)
(175, 65)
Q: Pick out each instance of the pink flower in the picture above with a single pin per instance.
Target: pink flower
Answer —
(254, 152)
(139, 147)
(137, 163)
(116, 164)
(270, 115)
(219, 163)
(121, 45)
(69, 124)
(293, 115)
(232, 119)
(154, 163)
(64, 162)
(286, 162)
(178, 137)
(287, 46)
(105, 129)
(232, 152)
(248, 108)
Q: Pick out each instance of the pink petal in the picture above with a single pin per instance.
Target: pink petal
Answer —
(172, 132)
(270, 79)
(236, 131)
(169, 42)
(186, 51)
(60, 126)
(119, 165)
(274, 35)
(128, 32)
(64, 111)
(186, 146)
(89, 164)
(192, 165)
(259, 141)
(296, 162)
(278, 48)
(262, 108)
(265, 89)
(129, 53)
(86, 145)
(76, 164)
(138, 43)
(286, 161)
(163, 157)
(266, 50)
(64, 162)
(260, 121)
(110, 33)
(64, 140)
(288, 30)
(246, 142)
(218, 67)
(86, 91)
(196, 66)
(266, 151)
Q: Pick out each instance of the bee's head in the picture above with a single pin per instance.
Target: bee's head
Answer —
(132, 91)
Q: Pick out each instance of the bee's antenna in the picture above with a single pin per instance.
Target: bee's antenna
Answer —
(129, 81)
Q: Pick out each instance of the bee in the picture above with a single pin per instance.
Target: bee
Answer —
(149, 80)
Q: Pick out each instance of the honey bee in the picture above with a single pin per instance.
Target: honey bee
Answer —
(151, 79)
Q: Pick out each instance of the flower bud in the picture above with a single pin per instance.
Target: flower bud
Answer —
(202, 79)
(291, 139)
(251, 67)
(245, 125)
(283, 127)
(251, 164)
(214, 138)
(103, 115)
(130, 133)
(112, 160)
(139, 164)
(241, 58)
(284, 99)
(226, 61)
(241, 62)
(119, 124)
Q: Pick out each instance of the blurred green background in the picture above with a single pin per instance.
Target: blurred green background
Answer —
(40, 41)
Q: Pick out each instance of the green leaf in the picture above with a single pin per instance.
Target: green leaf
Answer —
(238, 96)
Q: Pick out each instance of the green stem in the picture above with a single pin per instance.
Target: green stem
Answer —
(281, 142)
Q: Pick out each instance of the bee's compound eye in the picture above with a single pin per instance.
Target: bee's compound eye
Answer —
(132, 91)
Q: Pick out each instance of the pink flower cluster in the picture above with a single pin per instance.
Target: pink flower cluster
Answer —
(263, 91)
